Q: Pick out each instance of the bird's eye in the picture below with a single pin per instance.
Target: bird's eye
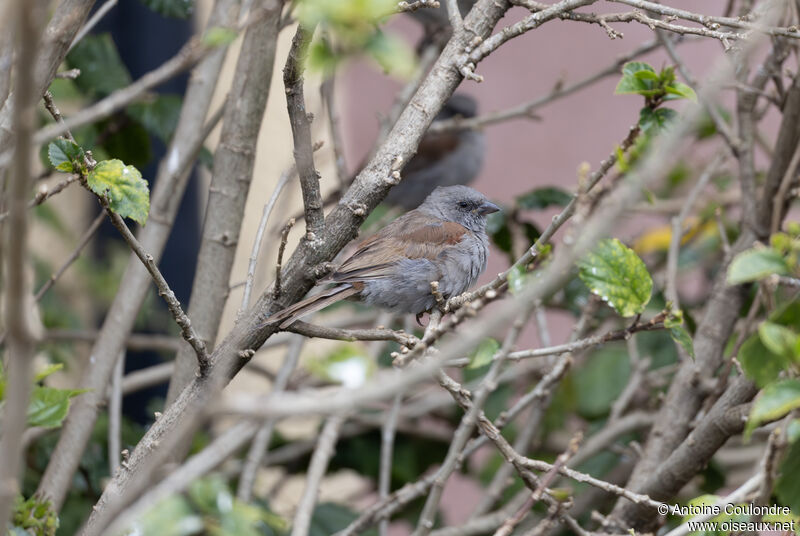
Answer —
(463, 204)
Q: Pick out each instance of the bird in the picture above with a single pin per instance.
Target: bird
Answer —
(443, 158)
(443, 240)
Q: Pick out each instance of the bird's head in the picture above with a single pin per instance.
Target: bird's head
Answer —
(460, 204)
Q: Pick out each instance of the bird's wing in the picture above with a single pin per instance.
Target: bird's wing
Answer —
(412, 236)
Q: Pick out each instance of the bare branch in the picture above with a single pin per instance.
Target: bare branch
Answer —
(313, 330)
(300, 120)
(18, 303)
(84, 240)
(316, 470)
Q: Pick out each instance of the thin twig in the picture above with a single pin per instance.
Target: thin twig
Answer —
(780, 196)
(256, 456)
(219, 450)
(115, 416)
(387, 450)
(187, 331)
(316, 470)
(467, 424)
(284, 179)
(671, 289)
(281, 248)
(87, 236)
(300, 121)
(545, 481)
(92, 22)
(328, 92)
(339, 334)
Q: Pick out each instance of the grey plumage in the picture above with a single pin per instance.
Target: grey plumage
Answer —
(443, 240)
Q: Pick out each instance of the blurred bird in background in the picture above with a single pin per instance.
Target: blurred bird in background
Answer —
(442, 159)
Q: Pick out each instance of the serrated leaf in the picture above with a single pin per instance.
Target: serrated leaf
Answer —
(775, 400)
(484, 353)
(179, 9)
(656, 120)
(48, 406)
(128, 193)
(545, 197)
(630, 85)
(682, 337)
(633, 67)
(102, 70)
(219, 36)
(617, 275)
(754, 264)
(63, 154)
(682, 91)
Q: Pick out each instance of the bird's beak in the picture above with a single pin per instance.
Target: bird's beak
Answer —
(488, 208)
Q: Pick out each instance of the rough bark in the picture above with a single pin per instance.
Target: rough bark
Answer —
(685, 395)
(230, 183)
(368, 189)
(165, 200)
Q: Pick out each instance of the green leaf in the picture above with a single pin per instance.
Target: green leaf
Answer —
(171, 517)
(102, 70)
(682, 337)
(775, 400)
(64, 155)
(754, 264)
(159, 116)
(484, 353)
(392, 54)
(322, 58)
(787, 486)
(631, 85)
(601, 380)
(793, 431)
(540, 198)
(633, 67)
(616, 274)
(656, 120)
(48, 406)
(128, 193)
(47, 371)
(646, 75)
(179, 9)
(219, 36)
(758, 363)
(779, 339)
(681, 91)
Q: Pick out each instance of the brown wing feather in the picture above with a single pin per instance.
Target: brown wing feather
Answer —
(412, 236)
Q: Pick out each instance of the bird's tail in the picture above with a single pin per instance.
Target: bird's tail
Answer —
(312, 304)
